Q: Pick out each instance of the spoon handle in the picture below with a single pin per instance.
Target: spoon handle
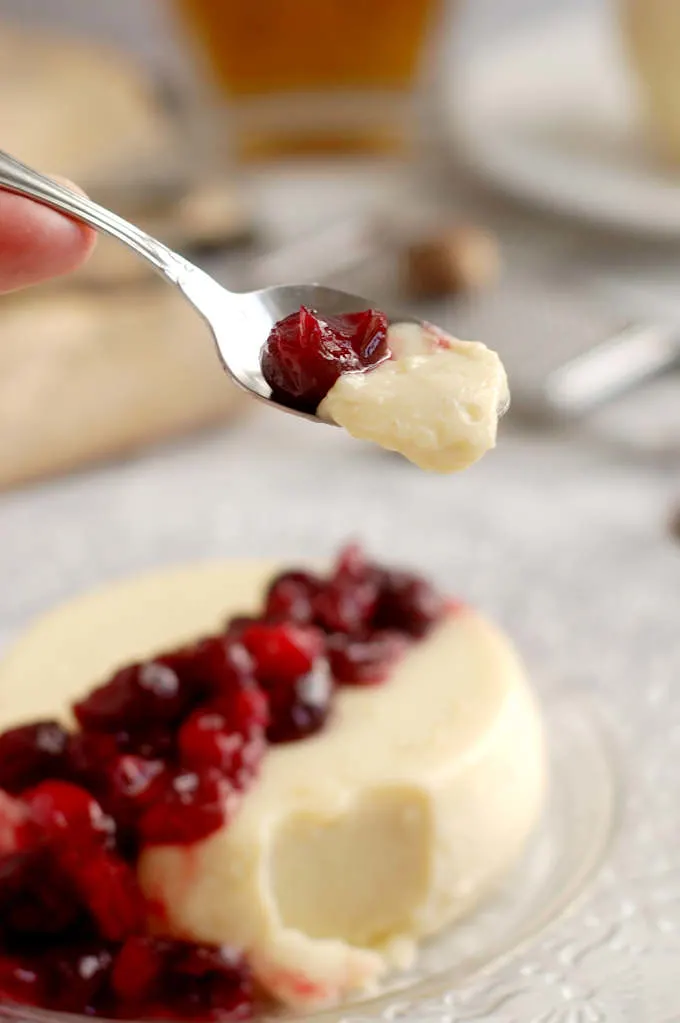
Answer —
(17, 177)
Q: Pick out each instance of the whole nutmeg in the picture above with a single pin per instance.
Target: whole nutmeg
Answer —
(674, 523)
(460, 259)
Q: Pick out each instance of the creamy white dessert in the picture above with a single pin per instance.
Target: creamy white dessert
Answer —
(394, 821)
(436, 401)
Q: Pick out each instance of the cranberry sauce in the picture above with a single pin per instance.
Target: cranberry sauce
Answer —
(163, 753)
(305, 354)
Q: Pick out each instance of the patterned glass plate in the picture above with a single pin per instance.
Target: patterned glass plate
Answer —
(568, 848)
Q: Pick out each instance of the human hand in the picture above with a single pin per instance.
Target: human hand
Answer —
(37, 243)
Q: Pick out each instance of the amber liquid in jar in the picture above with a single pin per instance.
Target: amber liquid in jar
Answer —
(314, 75)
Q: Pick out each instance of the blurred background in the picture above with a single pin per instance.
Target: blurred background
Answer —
(508, 168)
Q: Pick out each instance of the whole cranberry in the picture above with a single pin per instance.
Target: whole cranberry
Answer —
(37, 896)
(90, 754)
(136, 697)
(291, 596)
(300, 708)
(408, 604)
(282, 651)
(70, 817)
(21, 980)
(18, 830)
(31, 753)
(212, 666)
(207, 740)
(194, 805)
(305, 353)
(166, 978)
(138, 969)
(347, 602)
(77, 977)
(132, 784)
(109, 889)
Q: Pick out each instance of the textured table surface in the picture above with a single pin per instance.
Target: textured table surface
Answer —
(563, 538)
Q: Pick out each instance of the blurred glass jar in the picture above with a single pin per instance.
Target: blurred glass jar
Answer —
(652, 37)
(314, 76)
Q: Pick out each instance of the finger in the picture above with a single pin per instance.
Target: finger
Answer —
(37, 242)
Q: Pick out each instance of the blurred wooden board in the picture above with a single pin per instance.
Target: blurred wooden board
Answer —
(89, 376)
(86, 112)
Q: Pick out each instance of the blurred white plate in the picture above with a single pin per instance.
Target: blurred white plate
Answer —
(549, 116)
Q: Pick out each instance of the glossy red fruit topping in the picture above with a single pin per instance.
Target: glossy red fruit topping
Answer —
(291, 597)
(21, 980)
(166, 979)
(282, 651)
(408, 604)
(77, 978)
(305, 353)
(207, 739)
(357, 661)
(109, 889)
(301, 706)
(214, 666)
(31, 753)
(347, 602)
(164, 753)
(135, 696)
(194, 804)
(17, 828)
(130, 785)
(69, 816)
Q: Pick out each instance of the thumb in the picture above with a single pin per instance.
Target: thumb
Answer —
(37, 242)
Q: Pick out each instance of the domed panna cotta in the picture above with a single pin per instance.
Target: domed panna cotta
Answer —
(409, 387)
(347, 763)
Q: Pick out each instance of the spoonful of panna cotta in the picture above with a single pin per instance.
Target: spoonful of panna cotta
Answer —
(406, 385)
(321, 353)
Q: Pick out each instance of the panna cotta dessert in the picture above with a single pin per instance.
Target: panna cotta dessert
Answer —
(230, 784)
(409, 387)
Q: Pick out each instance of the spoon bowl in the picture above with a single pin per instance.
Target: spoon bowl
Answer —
(241, 329)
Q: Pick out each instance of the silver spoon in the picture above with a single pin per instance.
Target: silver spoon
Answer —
(240, 322)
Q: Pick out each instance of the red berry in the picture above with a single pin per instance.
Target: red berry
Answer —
(213, 666)
(69, 815)
(77, 977)
(346, 606)
(131, 785)
(408, 604)
(290, 597)
(305, 354)
(365, 661)
(135, 697)
(32, 753)
(194, 805)
(245, 709)
(37, 896)
(18, 831)
(208, 739)
(282, 651)
(21, 980)
(348, 600)
(90, 753)
(162, 978)
(301, 707)
(137, 968)
(109, 888)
